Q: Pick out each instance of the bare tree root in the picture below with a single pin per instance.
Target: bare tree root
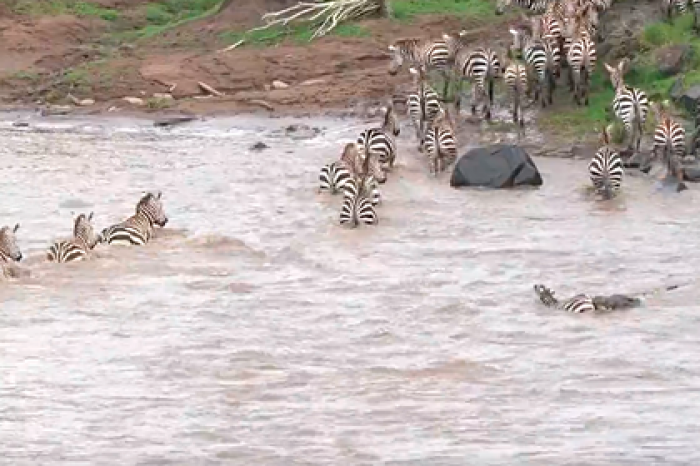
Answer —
(329, 13)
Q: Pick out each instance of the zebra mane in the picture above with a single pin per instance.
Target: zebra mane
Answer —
(80, 221)
(146, 199)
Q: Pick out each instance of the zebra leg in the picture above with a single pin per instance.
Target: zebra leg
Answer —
(515, 107)
(474, 98)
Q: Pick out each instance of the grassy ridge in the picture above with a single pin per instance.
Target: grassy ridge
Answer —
(643, 73)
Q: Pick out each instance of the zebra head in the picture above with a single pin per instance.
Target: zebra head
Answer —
(501, 6)
(545, 295)
(8, 243)
(151, 206)
(397, 58)
(617, 73)
(391, 121)
(85, 232)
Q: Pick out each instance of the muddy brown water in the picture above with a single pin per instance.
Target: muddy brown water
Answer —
(254, 330)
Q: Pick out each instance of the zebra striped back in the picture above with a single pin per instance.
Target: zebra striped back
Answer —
(379, 144)
(516, 80)
(581, 57)
(535, 6)
(543, 60)
(423, 104)
(440, 143)
(83, 241)
(429, 54)
(630, 105)
(483, 66)
(606, 170)
(578, 304)
(10, 252)
(138, 229)
(669, 138)
(357, 205)
(333, 177)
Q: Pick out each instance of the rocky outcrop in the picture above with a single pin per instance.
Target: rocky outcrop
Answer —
(497, 166)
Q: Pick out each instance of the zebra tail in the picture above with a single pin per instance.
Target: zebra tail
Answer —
(491, 91)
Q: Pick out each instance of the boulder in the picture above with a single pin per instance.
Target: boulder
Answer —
(496, 166)
(671, 59)
(689, 98)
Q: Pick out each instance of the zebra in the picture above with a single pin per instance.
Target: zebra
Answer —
(83, 241)
(334, 175)
(381, 143)
(428, 54)
(606, 170)
(534, 6)
(10, 252)
(669, 7)
(423, 104)
(440, 143)
(516, 80)
(139, 228)
(357, 204)
(631, 105)
(669, 140)
(578, 304)
(542, 58)
(484, 66)
(582, 60)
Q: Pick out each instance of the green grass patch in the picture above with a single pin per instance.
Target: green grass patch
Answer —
(64, 7)
(406, 10)
(643, 73)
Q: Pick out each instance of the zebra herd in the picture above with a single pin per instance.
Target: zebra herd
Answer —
(135, 230)
(560, 34)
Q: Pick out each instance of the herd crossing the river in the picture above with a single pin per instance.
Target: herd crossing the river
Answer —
(559, 35)
(136, 230)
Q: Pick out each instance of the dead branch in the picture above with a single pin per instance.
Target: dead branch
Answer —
(232, 46)
(208, 89)
(329, 13)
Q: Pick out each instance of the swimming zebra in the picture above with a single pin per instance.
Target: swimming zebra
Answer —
(10, 252)
(542, 58)
(83, 241)
(669, 140)
(431, 55)
(606, 170)
(631, 105)
(423, 104)
(535, 6)
(581, 59)
(357, 203)
(578, 304)
(334, 175)
(139, 228)
(381, 143)
(516, 79)
(440, 143)
(483, 66)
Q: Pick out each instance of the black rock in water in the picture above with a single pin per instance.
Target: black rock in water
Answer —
(496, 166)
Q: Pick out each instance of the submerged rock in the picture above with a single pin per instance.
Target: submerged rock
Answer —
(258, 146)
(496, 166)
(174, 120)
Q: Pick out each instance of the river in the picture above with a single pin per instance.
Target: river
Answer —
(255, 330)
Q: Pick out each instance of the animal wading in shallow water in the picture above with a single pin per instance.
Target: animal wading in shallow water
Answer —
(669, 140)
(357, 204)
(577, 304)
(380, 143)
(631, 105)
(516, 80)
(83, 241)
(482, 66)
(423, 104)
(10, 253)
(139, 228)
(440, 144)
(606, 169)
(335, 175)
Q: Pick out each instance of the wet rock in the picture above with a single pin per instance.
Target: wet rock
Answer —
(277, 84)
(676, 89)
(134, 100)
(174, 120)
(20, 124)
(258, 146)
(671, 59)
(52, 110)
(496, 166)
(301, 131)
(689, 99)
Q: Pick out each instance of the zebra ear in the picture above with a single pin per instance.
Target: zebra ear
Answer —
(609, 68)
(159, 195)
(90, 216)
(624, 65)
(16, 228)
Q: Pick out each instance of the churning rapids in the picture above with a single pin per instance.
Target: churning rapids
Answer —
(255, 330)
